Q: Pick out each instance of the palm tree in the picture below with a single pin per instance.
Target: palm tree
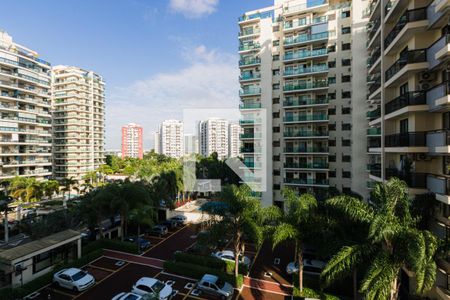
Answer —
(105, 170)
(144, 214)
(50, 187)
(68, 185)
(394, 243)
(5, 200)
(294, 225)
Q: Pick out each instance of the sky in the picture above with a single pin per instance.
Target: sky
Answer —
(157, 57)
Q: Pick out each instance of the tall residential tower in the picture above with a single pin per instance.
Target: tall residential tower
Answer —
(132, 145)
(213, 137)
(169, 140)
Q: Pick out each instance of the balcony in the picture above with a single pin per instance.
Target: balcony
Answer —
(310, 149)
(256, 16)
(374, 131)
(295, 102)
(249, 121)
(250, 91)
(305, 134)
(249, 47)
(411, 62)
(304, 165)
(440, 50)
(373, 58)
(373, 29)
(408, 99)
(410, 22)
(252, 164)
(438, 97)
(436, 13)
(417, 140)
(305, 38)
(250, 106)
(412, 179)
(373, 114)
(305, 54)
(305, 118)
(300, 181)
(305, 6)
(249, 62)
(304, 22)
(305, 86)
(439, 141)
(305, 71)
(249, 32)
(249, 77)
(251, 149)
(250, 135)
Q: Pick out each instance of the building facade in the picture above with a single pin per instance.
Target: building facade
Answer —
(190, 144)
(234, 142)
(169, 140)
(132, 145)
(298, 61)
(213, 137)
(409, 113)
(78, 121)
(25, 116)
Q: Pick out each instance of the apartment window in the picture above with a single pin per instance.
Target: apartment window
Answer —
(346, 190)
(276, 43)
(331, 80)
(276, 172)
(346, 62)
(276, 115)
(346, 46)
(276, 28)
(346, 94)
(276, 187)
(332, 143)
(332, 96)
(332, 174)
(276, 143)
(346, 110)
(331, 127)
(346, 174)
(346, 143)
(346, 158)
(276, 72)
(276, 86)
(345, 14)
(276, 100)
(346, 126)
(404, 126)
(332, 64)
(346, 78)
(346, 30)
(276, 129)
(276, 57)
(331, 48)
(332, 111)
(276, 158)
(332, 158)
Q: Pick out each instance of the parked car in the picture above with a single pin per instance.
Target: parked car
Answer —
(229, 256)
(159, 230)
(73, 279)
(170, 224)
(213, 285)
(143, 243)
(180, 219)
(147, 285)
(127, 296)
(310, 266)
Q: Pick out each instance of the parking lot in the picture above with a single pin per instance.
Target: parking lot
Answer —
(116, 272)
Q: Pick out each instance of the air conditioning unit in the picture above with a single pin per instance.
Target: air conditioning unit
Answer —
(425, 86)
(426, 77)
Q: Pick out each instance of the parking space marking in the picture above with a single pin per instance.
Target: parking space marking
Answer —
(61, 292)
(264, 290)
(164, 239)
(100, 268)
(268, 282)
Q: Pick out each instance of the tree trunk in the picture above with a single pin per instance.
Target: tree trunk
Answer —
(138, 235)
(122, 225)
(395, 289)
(237, 252)
(355, 284)
(6, 225)
(300, 269)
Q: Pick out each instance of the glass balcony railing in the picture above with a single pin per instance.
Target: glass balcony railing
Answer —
(409, 139)
(248, 47)
(249, 76)
(305, 54)
(251, 149)
(374, 131)
(302, 71)
(303, 165)
(408, 99)
(249, 32)
(247, 62)
(291, 101)
(437, 92)
(374, 26)
(253, 164)
(250, 135)
(373, 57)
(262, 15)
(305, 38)
(311, 149)
(438, 138)
(304, 22)
(435, 48)
(300, 7)
(250, 91)
(409, 16)
(250, 106)
(306, 181)
(411, 57)
(305, 86)
(303, 118)
(305, 133)
(374, 114)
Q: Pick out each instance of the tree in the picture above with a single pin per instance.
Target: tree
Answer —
(50, 187)
(394, 243)
(5, 200)
(294, 225)
(69, 184)
(144, 214)
(105, 170)
(25, 189)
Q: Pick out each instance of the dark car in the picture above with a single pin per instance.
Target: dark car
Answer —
(143, 243)
(170, 224)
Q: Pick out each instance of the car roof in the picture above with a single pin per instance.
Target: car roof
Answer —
(210, 278)
(226, 252)
(148, 281)
(71, 271)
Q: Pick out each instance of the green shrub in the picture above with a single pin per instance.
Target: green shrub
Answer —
(111, 245)
(209, 261)
(197, 272)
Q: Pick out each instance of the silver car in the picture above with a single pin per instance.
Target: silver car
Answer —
(213, 285)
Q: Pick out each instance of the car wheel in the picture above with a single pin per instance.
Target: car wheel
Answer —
(223, 297)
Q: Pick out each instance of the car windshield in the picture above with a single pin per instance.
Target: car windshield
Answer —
(78, 276)
(158, 286)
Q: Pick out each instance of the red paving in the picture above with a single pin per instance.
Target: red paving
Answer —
(134, 258)
(253, 294)
(267, 285)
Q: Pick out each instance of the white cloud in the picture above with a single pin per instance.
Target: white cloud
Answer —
(194, 8)
(209, 81)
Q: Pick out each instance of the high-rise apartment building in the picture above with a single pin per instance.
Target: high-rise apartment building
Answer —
(408, 93)
(170, 138)
(25, 117)
(303, 66)
(190, 144)
(213, 137)
(234, 141)
(78, 121)
(132, 145)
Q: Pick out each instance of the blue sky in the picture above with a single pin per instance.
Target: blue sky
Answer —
(156, 56)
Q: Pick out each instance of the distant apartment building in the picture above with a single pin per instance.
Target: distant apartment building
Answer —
(169, 140)
(191, 144)
(25, 112)
(213, 137)
(303, 66)
(132, 145)
(78, 121)
(234, 141)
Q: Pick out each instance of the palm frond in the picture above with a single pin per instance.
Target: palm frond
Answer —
(284, 232)
(353, 208)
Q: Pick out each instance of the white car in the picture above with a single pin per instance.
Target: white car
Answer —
(310, 266)
(147, 285)
(74, 279)
(127, 296)
(211, 284)
(229, 256)
(180, 219)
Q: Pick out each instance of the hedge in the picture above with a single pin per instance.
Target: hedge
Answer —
(41, 281)
(209, 261)
(112, 245)
(197, 272)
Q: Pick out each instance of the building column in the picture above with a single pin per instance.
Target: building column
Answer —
(79, 248)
